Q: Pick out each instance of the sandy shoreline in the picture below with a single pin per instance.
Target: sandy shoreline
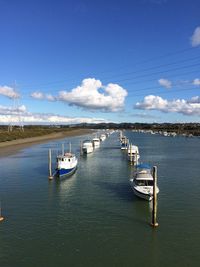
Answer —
(11, 147)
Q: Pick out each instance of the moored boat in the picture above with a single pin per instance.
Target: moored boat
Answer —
(102, 137)
(133, 153)
(142, 182)
(124, 143)
(96, 142)
(66, 164)
(87, 147)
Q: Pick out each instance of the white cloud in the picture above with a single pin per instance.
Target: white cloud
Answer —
(11, 115)
(40, 96)
(88, 95)
(4, 110)
(194, 99)
(196, 81)
(8, 92)
(50, 97)
(37, 95)
(91, 94)
(165, 83)
(186, 107)
(195, 39)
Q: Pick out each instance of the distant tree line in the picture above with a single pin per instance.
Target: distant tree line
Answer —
(180, 128)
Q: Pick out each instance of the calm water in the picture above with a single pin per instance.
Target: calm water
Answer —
(93, 218)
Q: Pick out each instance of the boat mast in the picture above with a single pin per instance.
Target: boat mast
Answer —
(70, 147)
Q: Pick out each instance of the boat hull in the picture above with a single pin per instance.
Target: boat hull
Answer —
(96, 145)
(139, 194)
(87, 150)
(143, 193)
(65, 172)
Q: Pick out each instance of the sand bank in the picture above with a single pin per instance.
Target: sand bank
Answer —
(11, 147)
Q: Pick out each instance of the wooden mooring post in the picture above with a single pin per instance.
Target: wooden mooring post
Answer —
(1, 217)
(154, 222)
(81, 148)
(131, 156)
(50, 169)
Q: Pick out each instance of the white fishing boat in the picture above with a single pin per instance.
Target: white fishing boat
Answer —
(124, 143)
(87, 146)
(142, 182)
(133, 153)
(96, 142)
(66, 164)
(102, 137)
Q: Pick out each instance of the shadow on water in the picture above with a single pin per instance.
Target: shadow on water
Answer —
(141, 220)
(121, 190)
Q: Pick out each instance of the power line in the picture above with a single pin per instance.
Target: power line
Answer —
(159, 72)
(163, 72)
(164, 92)
(129, 73)
(157, 67)
(171, 76)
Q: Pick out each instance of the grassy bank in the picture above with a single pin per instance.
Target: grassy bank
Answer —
(29, 131)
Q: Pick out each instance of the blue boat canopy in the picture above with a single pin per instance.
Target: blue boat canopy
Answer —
(143, 166)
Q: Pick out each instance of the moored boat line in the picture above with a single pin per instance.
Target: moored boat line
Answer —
(166, 133)
(142, 181)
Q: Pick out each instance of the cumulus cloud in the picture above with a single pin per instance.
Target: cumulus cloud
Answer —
(4, 110)
(196, 81)
(165, 83)
(8, 92)
(194, 99)
(11, 115)
(40, 96)
(186, 107)
(88, 95)
(195, 39)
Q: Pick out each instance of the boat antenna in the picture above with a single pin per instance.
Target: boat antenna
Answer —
(63, 149)
(70, 148)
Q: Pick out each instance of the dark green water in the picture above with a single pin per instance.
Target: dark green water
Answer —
(93, 218)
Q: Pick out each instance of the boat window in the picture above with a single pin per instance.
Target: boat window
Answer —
(150, 183)
(140, 182)
(144, 182)
(69, 160)
(62, 159)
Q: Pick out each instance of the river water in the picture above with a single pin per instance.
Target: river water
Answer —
(93, 218)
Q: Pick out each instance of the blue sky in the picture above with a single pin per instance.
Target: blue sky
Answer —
(84, 60)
